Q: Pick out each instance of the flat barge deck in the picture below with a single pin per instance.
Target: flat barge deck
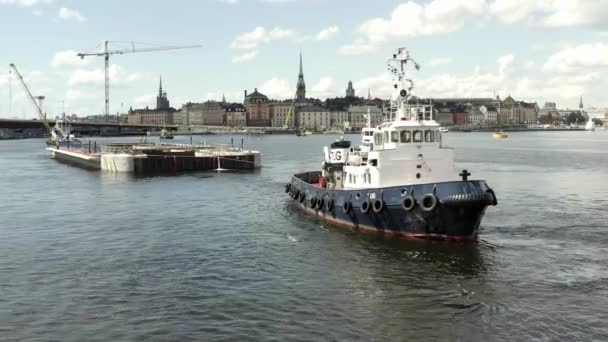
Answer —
(144, 158)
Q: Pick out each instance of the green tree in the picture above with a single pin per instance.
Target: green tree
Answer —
(575, 118)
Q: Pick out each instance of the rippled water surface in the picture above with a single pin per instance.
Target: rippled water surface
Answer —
(88, 256)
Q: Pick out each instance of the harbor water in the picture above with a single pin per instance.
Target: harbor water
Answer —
(93, 256)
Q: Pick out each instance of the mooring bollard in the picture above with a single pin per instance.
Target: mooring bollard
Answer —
(95, 147)
(231, 142)
(89, 146)
(242, 143)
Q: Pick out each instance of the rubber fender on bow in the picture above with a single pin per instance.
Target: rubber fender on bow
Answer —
(313, 202)
(408, 203)
(287, 187)
(378, 205)
(347, 207)
(302, 197)
(473, 198)
(365, 206)
(330, 204)
(429, 202)
(320, 204)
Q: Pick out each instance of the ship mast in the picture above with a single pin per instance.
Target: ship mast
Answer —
(402, 83)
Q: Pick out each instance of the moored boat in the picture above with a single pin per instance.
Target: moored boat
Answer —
(400, 180)
(500, 135)
(165, 134)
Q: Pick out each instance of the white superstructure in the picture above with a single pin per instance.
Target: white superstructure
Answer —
(405, 149)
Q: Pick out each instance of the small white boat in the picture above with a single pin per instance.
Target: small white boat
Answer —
(589, 126)
(165, 134)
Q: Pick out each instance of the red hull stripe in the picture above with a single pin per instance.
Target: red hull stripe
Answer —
(370, 229)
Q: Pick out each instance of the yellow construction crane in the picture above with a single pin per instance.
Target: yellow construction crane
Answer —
(290, 112)
(106, 54)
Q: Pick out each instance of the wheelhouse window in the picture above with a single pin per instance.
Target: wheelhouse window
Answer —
(378, 139)
(429, 136)
(417, 136)
(406, 137)
(386, 137)
(394, 136)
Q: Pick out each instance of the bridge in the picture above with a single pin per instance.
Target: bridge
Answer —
(89, 128)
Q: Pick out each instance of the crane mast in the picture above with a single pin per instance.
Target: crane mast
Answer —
(32, 97)
(106, 54)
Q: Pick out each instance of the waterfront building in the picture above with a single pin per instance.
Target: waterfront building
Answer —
(358, 116)
(339, 119)
(316, 118)
(477, 115)
(258, 109)
(279, 111)
(207, 113)
(350, 92)
(517, 112)
(490, 116)
(164, 114)
(460, 117)
(235, 115)
(445, 117)
(593, 112)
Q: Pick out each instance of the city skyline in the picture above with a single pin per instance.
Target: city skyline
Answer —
(550, 51)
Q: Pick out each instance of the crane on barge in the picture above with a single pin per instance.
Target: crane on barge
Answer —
(107, 52)
(37, 105)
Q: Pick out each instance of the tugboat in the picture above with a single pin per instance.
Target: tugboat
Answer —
(401, 180)
(62, 135)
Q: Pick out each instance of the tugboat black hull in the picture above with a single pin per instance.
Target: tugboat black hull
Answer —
(447, 210)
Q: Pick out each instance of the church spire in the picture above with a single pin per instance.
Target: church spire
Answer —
(160, 87)
(580, 105)
(301, 86)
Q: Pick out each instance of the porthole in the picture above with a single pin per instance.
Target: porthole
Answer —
(418, 175)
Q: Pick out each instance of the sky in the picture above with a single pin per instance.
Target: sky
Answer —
(538, 51)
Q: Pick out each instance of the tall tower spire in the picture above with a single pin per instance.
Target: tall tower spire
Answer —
(580, 105)
(301, 87)
(160, 87)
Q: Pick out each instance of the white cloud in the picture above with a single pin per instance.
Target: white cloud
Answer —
(96, 77)
(68, 58)
(278, 88)
(68, 14)
(260, 36)
(439, 61)
(552, 13)
(231, 96)
(379, 86)
(355, 49)
(328, 33)
(146, 100)
(246, 57)
(411, 19)
(325, 87)
(25, 3)
(504, 64)
(232, 2)
(573, 59)
(415, 18)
